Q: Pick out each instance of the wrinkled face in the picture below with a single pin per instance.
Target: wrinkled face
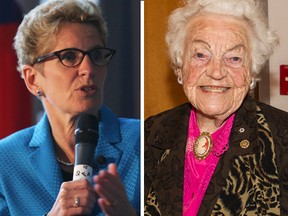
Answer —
(216, 66)
(77, 89)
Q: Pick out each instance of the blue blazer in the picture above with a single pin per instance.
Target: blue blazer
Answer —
(30, 176)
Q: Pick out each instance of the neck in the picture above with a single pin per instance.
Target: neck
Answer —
(208, 123)
(62, 128)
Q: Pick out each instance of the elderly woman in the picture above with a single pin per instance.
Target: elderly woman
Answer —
(223, 153)
(63, 58)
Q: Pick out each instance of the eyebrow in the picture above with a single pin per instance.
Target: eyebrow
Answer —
(237, 47)
(202, 42)
(208, 45)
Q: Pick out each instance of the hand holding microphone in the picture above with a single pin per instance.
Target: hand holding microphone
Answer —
(78, 197)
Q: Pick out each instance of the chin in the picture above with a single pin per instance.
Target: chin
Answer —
(214, 110)
(91, 107)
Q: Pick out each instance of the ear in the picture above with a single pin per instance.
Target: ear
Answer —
(178, 72)
(30, 78)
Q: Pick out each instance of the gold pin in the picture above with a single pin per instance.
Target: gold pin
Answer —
(244, 144)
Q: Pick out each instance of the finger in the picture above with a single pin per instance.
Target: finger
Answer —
(78, 184)
(108, 209)
(81, 200)
(112, 169)
(106, 193)
(77, 194)
(108, 188)
(105, 177)
(85, 198)
(80, 187)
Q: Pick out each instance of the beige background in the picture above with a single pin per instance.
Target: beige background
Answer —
(161, 88)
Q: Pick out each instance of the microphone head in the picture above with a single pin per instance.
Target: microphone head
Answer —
(86, 129)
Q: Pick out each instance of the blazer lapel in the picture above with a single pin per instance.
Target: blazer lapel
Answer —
(42, 160)
(106, 149)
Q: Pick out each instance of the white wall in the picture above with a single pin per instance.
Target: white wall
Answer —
(278, 20)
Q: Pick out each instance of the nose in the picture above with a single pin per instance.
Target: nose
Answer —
(216, 70)
(87, 67)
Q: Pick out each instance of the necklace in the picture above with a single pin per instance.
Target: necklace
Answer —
(203, 145)
(65, 163)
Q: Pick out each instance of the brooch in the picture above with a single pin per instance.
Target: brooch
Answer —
(202, 146)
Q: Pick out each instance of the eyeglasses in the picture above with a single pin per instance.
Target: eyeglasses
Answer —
(72, 57)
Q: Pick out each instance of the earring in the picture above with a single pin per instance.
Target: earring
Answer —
(179, 79)
(253, 83)
(39, 93)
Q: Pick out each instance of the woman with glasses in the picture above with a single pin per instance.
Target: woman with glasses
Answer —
(63, 59)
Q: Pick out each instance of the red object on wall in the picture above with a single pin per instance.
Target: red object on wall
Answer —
(284, 79)
(15, 100)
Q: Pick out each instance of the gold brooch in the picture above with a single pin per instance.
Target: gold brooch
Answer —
(202, 146)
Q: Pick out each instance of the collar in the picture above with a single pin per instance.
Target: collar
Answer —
(109, 126)
(171, 128)
(109, 129)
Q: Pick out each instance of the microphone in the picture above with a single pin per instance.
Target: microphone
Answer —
(86, 138)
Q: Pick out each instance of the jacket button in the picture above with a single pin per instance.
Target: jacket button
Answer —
(242, 130)
(101, 160)
(244, 144)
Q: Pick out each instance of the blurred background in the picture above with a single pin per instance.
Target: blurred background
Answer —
(19, 109)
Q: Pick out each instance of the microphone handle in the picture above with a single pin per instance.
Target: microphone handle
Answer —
(84, 153)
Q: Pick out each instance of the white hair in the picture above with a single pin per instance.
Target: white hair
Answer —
(251, 11)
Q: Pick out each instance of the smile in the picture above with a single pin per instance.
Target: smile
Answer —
(214, 89)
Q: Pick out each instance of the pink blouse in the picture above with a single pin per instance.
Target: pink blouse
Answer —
(198, 173)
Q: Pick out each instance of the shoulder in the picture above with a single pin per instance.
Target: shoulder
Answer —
(167, 130)
(273, 114)
(178, 111)
(111, 123)
(130, 130)
(19, 139)
(277, 121)
(172, 116)
(22, 138)
(129, 124)
(15, 150)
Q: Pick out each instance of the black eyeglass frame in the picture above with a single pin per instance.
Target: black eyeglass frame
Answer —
(84, 53)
